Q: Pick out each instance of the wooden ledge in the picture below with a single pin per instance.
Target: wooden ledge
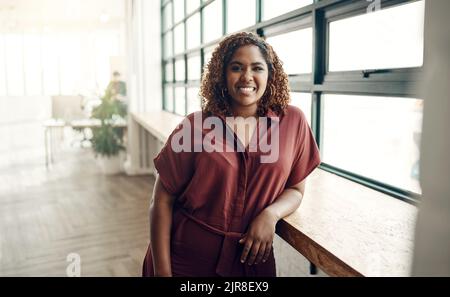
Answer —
(347, 229)
(344, 228)
(159, 123)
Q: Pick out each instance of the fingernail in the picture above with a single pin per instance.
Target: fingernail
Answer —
(242, 261)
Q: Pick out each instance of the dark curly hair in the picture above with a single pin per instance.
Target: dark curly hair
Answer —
(213, 93)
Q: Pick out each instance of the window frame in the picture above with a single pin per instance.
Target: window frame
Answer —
(395, 82)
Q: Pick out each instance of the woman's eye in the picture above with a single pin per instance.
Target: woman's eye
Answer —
(259, 69)
(235, 68)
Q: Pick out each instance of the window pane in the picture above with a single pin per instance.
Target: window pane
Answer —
(376, 137)
(2, 67)
(32, 57)
(168, 100)
(168, 46)
(70, 62)
(50, 56)
(14, 64)
(302, 101)
(213, 21)
(180, 100)
(192, 5)
(179, 38)
(168, 21)
(241, 14)
(169, 72)
(208, 54)
(178, 6)
(389, 38)
(194, 68)
(179, 70)
(193, 103)
(295, 50)
(273, 8)
(193, 31)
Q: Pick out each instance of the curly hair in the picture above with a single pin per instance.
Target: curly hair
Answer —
(213, 92)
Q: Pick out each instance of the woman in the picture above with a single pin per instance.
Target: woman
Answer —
(214, 212)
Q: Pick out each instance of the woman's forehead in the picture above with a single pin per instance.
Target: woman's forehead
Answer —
(248, 54)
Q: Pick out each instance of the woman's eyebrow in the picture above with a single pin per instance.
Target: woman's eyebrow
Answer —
(253, 64)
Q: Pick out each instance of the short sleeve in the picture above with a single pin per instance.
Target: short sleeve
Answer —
(175, 167)
(307, 156)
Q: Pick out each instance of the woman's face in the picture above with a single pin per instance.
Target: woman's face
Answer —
(246, 77)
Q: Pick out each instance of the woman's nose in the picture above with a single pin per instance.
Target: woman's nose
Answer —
(247, 75)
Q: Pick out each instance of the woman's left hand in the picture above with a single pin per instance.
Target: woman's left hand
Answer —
(258, 239)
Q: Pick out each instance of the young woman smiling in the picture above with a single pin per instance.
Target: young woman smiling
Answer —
(214, 213)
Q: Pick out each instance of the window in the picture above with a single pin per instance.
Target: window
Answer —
(168, 45)
(324, 60)
(179, 38)
(193, 103)
(273, 8)
(194, 68)
(192, 5)
(213, 21)
(14, 64)
(180, 100)
(208, 54)
(302, 101)
(169, 72)
(3, 82)
(179, 70)
(241, 14)
(295, 50)
(168, 99)
(32, 60)
(193, 27)
(389, 38)
(50, 58)
(376, 137)
(178, 11)
(168, 21)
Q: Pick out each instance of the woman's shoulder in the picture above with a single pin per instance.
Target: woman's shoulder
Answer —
(293, 113)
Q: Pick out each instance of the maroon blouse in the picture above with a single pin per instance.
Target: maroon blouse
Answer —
(220, 193)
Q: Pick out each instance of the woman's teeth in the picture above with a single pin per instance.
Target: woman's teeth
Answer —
(246, 89)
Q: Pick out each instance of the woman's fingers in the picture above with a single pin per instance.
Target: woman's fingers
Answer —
(254, 252)
(261, 252)
(267, 252)
(247, 247)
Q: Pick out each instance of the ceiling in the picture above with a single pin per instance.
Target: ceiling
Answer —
(22, 14)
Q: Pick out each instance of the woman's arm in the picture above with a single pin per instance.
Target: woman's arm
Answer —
(160, 227)
(259, 237)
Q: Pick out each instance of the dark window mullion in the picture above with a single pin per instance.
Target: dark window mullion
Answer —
(163, 65)
(317, 118)
(224, 17)
(259, 5)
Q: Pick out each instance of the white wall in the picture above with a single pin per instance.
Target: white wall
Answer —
(144, 55)
(144, 79)
(432, 244)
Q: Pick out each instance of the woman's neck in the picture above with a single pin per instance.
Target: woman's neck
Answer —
(245, 111)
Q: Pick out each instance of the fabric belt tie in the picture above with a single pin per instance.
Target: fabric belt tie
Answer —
(229, 247)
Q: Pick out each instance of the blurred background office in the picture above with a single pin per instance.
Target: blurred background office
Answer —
(356, 68)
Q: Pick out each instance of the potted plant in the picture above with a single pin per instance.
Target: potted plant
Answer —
(108, 138)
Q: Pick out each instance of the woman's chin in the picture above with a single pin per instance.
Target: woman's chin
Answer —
(245, 101)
